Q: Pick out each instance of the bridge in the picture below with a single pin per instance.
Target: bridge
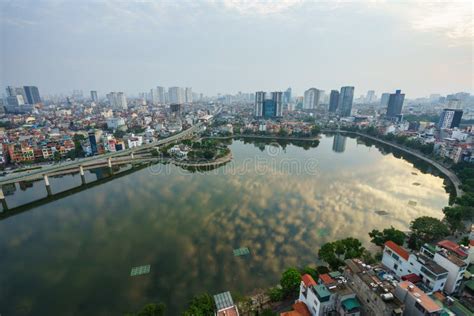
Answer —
(108, 159)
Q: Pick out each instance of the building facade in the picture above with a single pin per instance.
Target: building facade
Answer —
(333, 101)
(311, 99)
(395, 104)
(450, 118)
(346, 97)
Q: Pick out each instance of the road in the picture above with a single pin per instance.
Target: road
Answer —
(16, 177)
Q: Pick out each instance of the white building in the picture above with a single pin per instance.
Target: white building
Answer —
(417, 302)
(188, 94)
(134, 141)
(328, 295)
(311, 99)
(402, 264)
(176, 95)
(115, 122)
(117, 100)
(161, 94)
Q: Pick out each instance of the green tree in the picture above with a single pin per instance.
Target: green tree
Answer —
(275, 294)
(290, 282)
(334, 253)
(380, 237)
(426, 229)
(200, 305)
(153, 310)
(315, 130)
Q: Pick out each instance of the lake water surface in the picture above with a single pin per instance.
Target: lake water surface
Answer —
(73, 256)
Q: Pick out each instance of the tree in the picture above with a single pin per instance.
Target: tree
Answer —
(380, 237)
(200, 305)
(152, 310)
(315, 130)
(275, 294)
(334, 253)
(311, 271)
(426, 229)
(290, 282)
(454, 217)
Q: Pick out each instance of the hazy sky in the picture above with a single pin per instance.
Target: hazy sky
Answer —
(228, 46)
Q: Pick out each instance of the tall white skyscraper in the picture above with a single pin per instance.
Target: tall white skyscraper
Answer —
(153, 96)
(311, 99)
(259, 100)
(176, 95)
(189, 95)
(117, 100)
(161, 94)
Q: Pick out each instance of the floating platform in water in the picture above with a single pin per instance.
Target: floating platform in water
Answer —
(412, 203)
(416, 183)
(382, 213)
(241, 251)
(414, 173)
(140, 270)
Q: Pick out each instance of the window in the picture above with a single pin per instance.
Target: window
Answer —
(395, 266)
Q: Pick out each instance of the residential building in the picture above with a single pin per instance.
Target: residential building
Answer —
(311, 99)
(225, 305)
(161, 94)
(329, 295)
(115, 122)
(417, 302)
(188, 93)
(346, 98)
(117, 100)
(450, 118)
(384, 100)
(333, 101)
(268, 107)
(176, 95)
(374, 288)
(153, 96)
(259, 100)
(395, 104)
(287, 96)
(370, 96)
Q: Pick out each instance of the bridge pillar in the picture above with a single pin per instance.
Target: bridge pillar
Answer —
(2, 200)
(83, 177)
(46, 183)
(109, 162)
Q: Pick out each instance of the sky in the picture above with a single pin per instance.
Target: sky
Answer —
(227, 46)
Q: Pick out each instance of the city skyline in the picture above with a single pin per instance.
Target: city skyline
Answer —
(79, 46)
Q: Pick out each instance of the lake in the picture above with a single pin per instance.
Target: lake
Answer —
(73, 256)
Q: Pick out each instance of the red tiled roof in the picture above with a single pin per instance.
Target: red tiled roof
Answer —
(452, 246)
(301, 308)
(412, 277)
(471, 243)
(308, 280)
(326, 279)
(397, 249)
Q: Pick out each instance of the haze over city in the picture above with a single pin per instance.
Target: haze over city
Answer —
(228, 46)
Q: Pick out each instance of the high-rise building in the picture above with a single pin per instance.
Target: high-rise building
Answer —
(384, 100)
(32, 94)
(271, 107)
(333, 100)
(17, 91)
(117, 100)
(259, 99)
(188, 93)
(176, 95)
(175, 109)
(153, 96)
(450, 118)
(311, 99)
(395, 104)
(161, 94)
(370, 96)
(94, 96)
(287, 96)
(346, 98)
(93, 141)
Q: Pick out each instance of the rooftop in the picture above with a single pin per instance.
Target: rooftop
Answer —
(397, 249)
(454, 247)
(308, 280)
(424, 300)
(223, 300)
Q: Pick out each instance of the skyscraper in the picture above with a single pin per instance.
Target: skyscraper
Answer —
(345, 101)
(32, 94)
(395, 104)
(161, 94)
(94, 96)
(176, 95)
(333, 100)
(450, 118)
(153, 97)
(384, 99)
(271, 107)
(370, 96)
(287, 96)
(117, 100)
(259, 99)
(188, 93)
(311, 99)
